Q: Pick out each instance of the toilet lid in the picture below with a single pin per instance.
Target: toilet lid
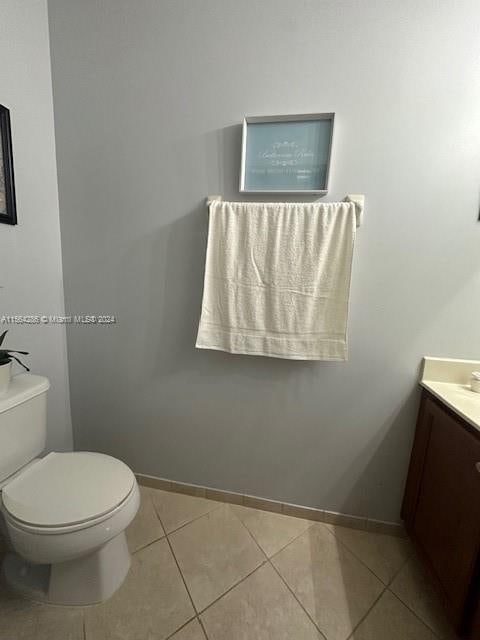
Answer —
(68, 488)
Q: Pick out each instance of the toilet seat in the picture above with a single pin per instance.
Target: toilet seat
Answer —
(67, 491)
(87, 524)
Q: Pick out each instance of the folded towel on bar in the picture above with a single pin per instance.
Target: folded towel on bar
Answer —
(277, 279)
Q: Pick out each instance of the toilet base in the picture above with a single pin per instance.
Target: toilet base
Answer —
(87, 580)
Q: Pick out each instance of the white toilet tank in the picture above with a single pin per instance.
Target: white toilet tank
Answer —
(23, 424)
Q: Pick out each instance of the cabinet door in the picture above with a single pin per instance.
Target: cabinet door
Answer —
(447, 516)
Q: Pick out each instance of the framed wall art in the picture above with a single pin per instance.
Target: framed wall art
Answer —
(8, 211)
(287, 154)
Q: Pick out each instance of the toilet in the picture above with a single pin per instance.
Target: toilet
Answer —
(63, 515)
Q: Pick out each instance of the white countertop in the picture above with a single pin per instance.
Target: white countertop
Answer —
(449, 381)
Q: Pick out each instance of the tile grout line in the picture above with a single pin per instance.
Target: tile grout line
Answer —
(198, 612)
(150, 495)
(297, 600)
(165, 534)
(435, 633)
(156, 512)
(152, 542)
(404, 564)
(219, 504)
(200, 622)
(141, 548)
(232, 587)
(145, 546)
(249, 533)
(345, 546)
(390, 584)
(265, 561)
(367, 613)
(312, 524)
(195, 617)
(194, 519)
(181, 575)
(323, 525)
(385, 586)
(341, 544)
(268, 561)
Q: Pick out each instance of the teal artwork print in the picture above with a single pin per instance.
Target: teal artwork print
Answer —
(287, 156)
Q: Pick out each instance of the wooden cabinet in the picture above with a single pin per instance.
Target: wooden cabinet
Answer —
(441, 509)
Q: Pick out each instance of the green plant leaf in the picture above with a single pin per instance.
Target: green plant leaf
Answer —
(20, 363)
(6, 354)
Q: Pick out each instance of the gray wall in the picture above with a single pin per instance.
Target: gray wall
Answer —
(148, 100)
(30, 254)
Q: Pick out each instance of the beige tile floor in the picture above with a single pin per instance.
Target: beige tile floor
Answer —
(204, 570)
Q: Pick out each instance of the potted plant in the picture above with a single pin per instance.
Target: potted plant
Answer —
(6, 358)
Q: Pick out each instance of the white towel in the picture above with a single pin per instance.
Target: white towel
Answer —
(277, 279)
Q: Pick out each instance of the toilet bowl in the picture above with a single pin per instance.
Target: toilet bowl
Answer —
(64, 515)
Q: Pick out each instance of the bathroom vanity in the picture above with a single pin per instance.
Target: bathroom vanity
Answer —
(441, 506)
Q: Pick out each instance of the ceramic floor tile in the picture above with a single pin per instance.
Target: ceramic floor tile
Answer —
(272, 531)
(152, 603)
(334, 587)
(146, 527)
(391, 619)
(214, 552)
(414, 589)
(177, 509)
(384, 555)
(259, 608)
(192, 631)
(9, 601)
(24, 620)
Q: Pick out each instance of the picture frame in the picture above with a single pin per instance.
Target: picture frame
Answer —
(8, 209)
(287, 153)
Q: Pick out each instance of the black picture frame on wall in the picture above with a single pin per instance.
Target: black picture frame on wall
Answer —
(8, 208)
